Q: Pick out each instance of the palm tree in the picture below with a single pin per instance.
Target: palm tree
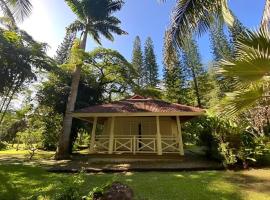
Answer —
(15, 10)
(250, 68)
(94, 18)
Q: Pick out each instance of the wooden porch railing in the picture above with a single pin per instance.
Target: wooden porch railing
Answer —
(136, 144)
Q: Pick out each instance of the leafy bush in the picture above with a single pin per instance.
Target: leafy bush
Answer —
(3, 145)
(227, 141)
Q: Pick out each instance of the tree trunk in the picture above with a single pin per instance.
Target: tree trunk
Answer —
(62, 151)
(266, 15)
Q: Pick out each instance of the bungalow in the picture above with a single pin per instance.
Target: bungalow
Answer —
(137, 125)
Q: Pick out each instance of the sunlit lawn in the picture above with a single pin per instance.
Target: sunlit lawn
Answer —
(24, 182)
(27, 180)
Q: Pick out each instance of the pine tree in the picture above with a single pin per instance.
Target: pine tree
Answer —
(137, 60)
(174, 79)
(221, 47)
(63, 50)
(150, 69)
(193, 68)
(236, 31)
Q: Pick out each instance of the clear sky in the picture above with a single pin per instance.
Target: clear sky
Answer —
(139, 17)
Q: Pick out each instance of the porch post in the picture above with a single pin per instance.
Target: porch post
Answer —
(159, 144)
(93, 135)
(181, 148)
(111, 140)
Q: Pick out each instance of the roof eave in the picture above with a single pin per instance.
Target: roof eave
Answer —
(81, 115)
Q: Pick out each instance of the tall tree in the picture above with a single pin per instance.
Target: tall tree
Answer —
(193, 66)
(21, 58)
(137, 60)
(174, 79)
(94, 18)
(63, 51)
(150, 69)
(221, 48)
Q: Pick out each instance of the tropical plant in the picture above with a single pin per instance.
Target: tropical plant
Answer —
(191, 16)
(94, 18)
(21, 59)
(250, 71)
(15, 10)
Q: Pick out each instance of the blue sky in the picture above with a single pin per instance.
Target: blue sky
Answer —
(139, 17)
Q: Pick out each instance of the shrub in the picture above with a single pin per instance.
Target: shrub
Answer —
(229, 142)
(3, 146)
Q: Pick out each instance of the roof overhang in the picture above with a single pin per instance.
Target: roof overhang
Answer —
(135, 114)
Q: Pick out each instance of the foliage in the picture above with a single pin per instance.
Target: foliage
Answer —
(148, 92)
(191, 16)
(15, 10)
(221, 48)
(250, 72)
(100, 12)
(21, 60)
(150, 68)
(174, 78)
(137, 60)
(194, 70)
(3, 145)
(232, 143)
(113, 73)
(63, 50)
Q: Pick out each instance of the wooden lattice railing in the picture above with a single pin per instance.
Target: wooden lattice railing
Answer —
(137, 144)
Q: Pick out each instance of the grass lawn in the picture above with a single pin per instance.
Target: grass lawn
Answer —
(21, 179)
(25, 182)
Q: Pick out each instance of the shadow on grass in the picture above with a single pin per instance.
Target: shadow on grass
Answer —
(251, 183)
(24, 182)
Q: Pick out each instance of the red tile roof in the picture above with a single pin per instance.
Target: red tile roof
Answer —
(139, 104)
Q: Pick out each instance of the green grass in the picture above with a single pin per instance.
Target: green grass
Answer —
(25, 182)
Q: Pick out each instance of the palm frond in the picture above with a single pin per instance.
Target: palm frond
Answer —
(6, 11)
(20, 8)
(76, 26)
(240, 101)
(252, 62)
(250, 70)
(196, 16)
(115, 5)
(76, 7)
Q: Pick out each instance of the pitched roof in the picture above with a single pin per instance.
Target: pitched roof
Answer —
(138, 103)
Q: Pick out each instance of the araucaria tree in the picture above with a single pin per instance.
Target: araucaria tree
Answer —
(63, 50)
(94, 18)
(137, 60)
(150, 69)
(174, 79)
(193, 67)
